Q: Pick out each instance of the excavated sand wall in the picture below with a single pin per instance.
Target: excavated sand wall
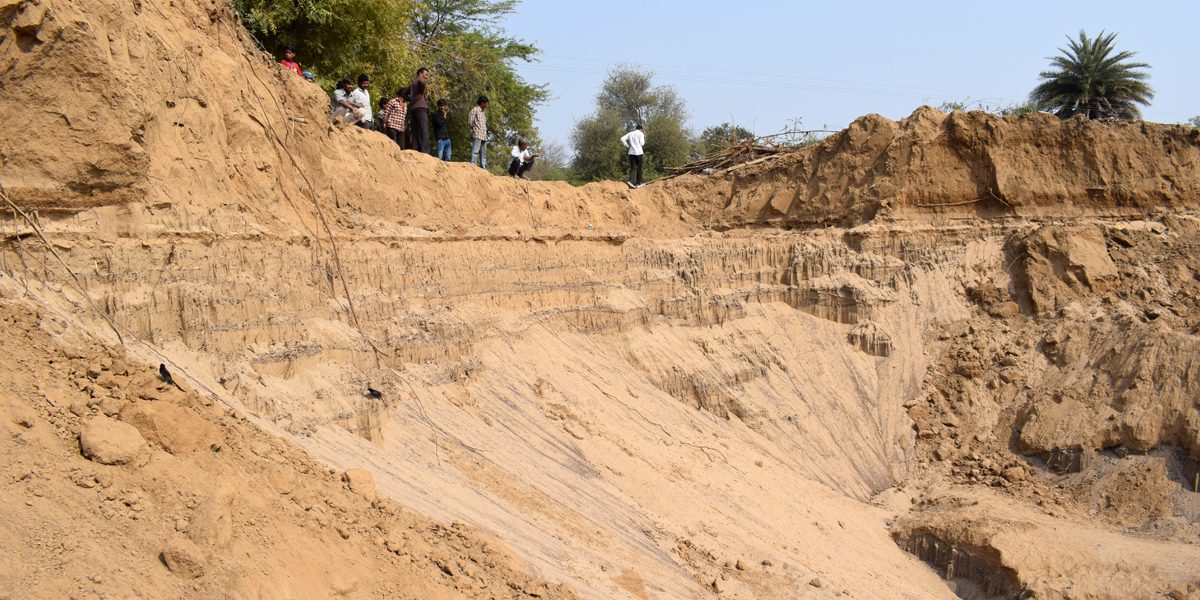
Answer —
(636, 390)
(967, 165)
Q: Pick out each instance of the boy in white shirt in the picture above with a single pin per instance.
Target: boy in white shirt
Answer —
(362, 97)
(522, 160)
(633, 141)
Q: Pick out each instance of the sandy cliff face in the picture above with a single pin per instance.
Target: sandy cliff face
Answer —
(965, 165)
(946, 354)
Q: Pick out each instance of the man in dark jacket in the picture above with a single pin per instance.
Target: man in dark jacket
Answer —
(441, 130)
(419, 109)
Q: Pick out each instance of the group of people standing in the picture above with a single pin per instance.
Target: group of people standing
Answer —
(411, 104)
(405, 118)
(408, 113)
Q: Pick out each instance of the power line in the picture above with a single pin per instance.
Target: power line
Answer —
(878, 90)
(766, 84)
(869, 84)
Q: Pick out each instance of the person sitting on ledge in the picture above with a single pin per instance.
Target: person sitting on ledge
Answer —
(361, 96)
(289, 62)
(522, 160)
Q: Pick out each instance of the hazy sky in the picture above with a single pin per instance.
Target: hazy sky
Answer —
(762, 64)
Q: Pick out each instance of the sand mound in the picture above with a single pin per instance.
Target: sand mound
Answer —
(966, 164)
(962, 340)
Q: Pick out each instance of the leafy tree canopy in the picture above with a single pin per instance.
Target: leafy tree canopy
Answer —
(436, 19)
(1091, 78)
(336, 38)
(718, 137)
(598, 151)
(629, 97)
(553, 164)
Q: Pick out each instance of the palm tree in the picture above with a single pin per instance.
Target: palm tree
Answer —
(1090, 79)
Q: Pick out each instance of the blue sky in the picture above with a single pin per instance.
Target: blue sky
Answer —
(762, 64)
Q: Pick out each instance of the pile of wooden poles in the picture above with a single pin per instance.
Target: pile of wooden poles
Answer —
(741, 154)
(733, 155)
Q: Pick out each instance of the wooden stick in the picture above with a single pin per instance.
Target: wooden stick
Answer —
(751, 162)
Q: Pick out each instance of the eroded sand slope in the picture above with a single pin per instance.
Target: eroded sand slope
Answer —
(956, 339)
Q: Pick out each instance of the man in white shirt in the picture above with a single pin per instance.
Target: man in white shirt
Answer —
(362, 97)
(345, 110)
(633, 141)
(522, 160)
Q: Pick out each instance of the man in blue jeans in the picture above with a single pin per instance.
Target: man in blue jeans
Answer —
(441, 131)
(477, 122)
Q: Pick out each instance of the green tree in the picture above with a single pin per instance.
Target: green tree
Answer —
(552, 164)
(1194, 122)
(1092, 79)
(718, 137)
(438, 18)
(336, 38)
(629, 97)
(598, 151)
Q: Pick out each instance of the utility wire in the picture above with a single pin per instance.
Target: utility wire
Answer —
(769, 75)
(762, 84)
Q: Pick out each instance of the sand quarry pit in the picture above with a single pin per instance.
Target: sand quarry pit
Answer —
(949, 356)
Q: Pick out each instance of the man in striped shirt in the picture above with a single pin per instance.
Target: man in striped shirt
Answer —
(394, 113)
